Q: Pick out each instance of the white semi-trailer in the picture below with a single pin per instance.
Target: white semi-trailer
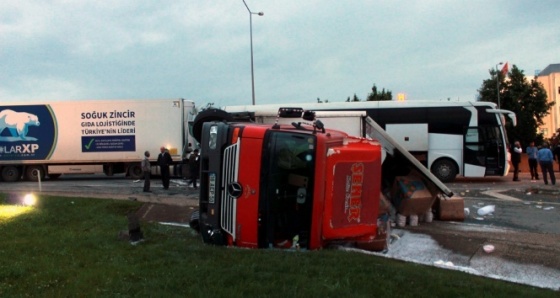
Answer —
(94, 136)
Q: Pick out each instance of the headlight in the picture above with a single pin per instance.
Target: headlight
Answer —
(213, 137)
(29, 200)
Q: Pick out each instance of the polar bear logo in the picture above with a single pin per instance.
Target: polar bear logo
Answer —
(17, 123)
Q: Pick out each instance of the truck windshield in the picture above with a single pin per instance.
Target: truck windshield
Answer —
(285, 202)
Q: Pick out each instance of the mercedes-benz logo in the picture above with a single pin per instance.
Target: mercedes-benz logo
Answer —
(235, 189)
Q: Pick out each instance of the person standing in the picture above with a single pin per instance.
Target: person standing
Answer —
(533, 162)
(194, 167)
(146, 169)
(546, 158)
(557, 154)
(516, 159)
(164, 161)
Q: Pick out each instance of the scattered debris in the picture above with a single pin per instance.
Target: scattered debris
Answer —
(401, 220)
(486, 210)
(548, 208)
(467, 211)
(444, 264)
(136, 181)
(479, 218)
(413, 220)
(488, 248)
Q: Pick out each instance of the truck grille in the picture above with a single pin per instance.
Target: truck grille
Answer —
(229, 175)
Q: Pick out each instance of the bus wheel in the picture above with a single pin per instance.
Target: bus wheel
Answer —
(10, 173)
(194, 220)
(34, 173)
(445, 170)
(135, 171)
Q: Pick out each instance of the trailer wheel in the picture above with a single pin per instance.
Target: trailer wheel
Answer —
(33, 173)
(194, 222)
(11, 173)
(445, 170)
(135, 171)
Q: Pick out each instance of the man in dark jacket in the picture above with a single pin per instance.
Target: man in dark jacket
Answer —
(146, 169)
(516, 159)
(164, 161)
(194, 167)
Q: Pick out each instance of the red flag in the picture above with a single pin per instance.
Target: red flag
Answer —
(505, 69)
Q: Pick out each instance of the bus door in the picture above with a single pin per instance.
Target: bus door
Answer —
(483, 153)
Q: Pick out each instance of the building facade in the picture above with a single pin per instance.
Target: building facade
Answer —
(550, 79)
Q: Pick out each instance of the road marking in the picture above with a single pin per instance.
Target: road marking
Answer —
(497, 194)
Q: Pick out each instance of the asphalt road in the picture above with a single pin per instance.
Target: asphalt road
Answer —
(524, 227)
(526, 205)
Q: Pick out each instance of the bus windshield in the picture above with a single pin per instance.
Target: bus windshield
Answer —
(286, 197)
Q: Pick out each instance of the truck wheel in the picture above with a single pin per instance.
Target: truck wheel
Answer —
(208, 116)
(194, 220)
(135, 171)
(11, 173)
(33, 173)
(445, 170)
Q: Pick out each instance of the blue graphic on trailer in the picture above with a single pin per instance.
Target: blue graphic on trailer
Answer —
(27, 132)
(109, 143)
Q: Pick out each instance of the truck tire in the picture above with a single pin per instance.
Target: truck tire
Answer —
(33, 173)
(135, 171)
(11, 174)
(194, 220)
(445, 170)
(207, 116)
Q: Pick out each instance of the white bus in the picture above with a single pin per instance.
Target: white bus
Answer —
(449, 137)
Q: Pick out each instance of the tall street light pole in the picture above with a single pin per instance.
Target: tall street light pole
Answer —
(498, 82)
(251, 34)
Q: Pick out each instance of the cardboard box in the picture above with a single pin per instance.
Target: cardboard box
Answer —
(451, 209)
(411, 196)
(416, 206)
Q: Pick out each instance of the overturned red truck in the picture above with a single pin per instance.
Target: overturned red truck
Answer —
(295, 185)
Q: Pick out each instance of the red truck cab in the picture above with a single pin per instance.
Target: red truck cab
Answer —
(287, 186)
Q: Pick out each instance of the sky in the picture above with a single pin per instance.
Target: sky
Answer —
(53, 50)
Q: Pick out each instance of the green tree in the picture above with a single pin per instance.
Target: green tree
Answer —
(526, 99)
(355, 98)
(378, 96)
